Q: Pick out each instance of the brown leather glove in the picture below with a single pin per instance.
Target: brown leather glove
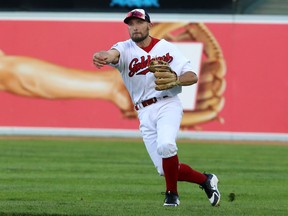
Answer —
(166, 78)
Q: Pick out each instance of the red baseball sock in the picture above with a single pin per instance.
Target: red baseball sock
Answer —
(186, 173)
(170, 167)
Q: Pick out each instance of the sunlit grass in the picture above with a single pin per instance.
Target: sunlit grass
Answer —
(111, 178)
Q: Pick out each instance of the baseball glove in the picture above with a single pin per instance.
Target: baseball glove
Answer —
(166, 78)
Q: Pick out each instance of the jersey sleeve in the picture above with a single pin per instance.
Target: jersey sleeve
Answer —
(120, 47)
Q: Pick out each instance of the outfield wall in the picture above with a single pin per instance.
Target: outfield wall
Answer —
(252, 103)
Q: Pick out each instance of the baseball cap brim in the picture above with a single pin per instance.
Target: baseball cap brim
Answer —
(137, 13)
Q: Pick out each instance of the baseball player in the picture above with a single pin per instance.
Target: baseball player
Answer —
(154, 72)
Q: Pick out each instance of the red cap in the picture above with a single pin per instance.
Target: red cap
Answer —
(137, 13)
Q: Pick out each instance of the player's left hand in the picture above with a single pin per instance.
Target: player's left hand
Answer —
(166, 78)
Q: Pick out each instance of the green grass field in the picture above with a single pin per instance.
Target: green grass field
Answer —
(102, 177)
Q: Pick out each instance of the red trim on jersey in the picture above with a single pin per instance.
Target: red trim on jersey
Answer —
(153, 42)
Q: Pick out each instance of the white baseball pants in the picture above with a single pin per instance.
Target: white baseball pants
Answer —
(159, 125)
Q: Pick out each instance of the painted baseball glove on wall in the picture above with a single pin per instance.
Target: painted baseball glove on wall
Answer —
(166, 78)
(211, 84)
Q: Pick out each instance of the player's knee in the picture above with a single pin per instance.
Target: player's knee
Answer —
(167, 150)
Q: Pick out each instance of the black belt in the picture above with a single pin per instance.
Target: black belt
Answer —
(147, 102)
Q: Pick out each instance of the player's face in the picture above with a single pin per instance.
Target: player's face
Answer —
(138, 30)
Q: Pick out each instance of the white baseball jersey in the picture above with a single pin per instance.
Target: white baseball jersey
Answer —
(133, 66)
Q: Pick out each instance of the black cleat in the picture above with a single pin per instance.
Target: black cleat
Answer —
(210, 187)
(171, 199)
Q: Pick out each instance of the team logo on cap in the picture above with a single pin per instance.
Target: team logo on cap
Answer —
(137, 13)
